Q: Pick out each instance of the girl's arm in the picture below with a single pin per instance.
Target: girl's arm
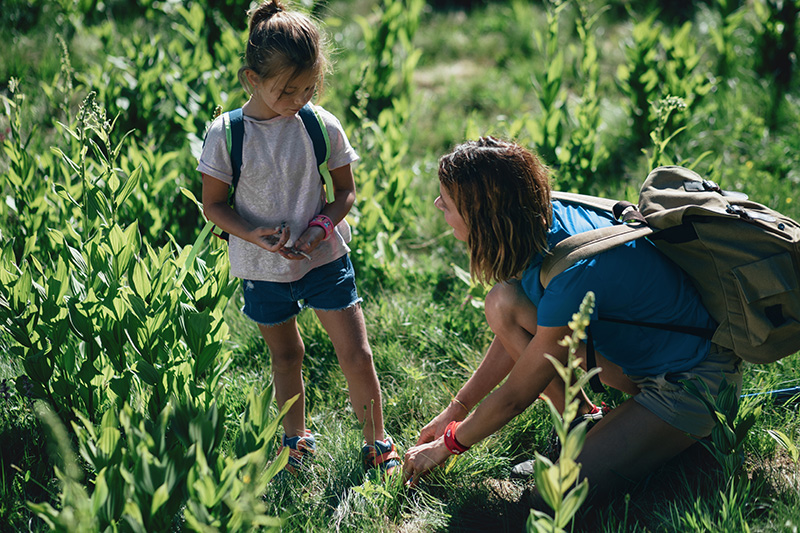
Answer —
(526, 381)
(344, 194)
(496, 365)
(217, 210)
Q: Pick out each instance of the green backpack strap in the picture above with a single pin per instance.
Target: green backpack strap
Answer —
(584, 245)
(322, 145)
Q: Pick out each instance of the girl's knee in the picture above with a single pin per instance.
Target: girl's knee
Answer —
(357, 363)
(287, 360)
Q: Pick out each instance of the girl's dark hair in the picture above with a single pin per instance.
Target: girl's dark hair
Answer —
(502, 191)
(282, 41)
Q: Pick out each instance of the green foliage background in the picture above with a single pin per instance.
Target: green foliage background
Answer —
(117, 312)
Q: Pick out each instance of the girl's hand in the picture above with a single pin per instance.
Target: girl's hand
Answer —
(270, 239)
(435, 428)
(420, 460)
(310, 239)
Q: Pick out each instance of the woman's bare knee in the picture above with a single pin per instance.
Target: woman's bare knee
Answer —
(507, 305)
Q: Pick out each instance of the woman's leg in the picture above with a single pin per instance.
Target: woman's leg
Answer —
(512, 316)
(348, 334)
(627, 444)
(286, 351)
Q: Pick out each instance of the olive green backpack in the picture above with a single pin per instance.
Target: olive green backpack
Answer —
(743, 257)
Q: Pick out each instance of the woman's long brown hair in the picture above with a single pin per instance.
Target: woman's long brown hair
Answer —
(502, 191)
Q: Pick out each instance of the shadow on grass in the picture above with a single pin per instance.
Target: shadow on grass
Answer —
(504, 506)
(25, 471)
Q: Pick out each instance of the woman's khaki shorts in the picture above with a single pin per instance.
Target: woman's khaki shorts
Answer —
(665, 396)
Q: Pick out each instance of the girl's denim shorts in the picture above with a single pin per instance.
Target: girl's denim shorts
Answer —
(330, 287)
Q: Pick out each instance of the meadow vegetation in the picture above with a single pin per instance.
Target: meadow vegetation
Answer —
(137, 398)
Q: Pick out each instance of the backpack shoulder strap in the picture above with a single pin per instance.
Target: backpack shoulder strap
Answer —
(322, 145)
(604, 204)
(234, 133)
(583, 245)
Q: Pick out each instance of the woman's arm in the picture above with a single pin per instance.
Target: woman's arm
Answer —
(526, 381)
(217, 210)
(495, 366)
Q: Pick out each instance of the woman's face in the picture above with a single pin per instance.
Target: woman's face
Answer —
(451, 215)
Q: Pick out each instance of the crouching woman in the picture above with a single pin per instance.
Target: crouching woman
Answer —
(496, 197)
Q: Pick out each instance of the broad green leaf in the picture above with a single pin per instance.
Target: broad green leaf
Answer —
(571, 503)
(39, 366)
(78, 260)
(147, 372)
(101, 492)
(546, 483)
(160, 497)
(277, 464)
(128, 188)
(140, 280)
(786, 443)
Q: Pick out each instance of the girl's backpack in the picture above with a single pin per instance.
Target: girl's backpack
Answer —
(234, 136)
(743, 257)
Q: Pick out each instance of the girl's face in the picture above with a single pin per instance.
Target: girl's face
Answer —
(451, 215)
(280, 95)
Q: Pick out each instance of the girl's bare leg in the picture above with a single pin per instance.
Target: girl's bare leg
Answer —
(287, 350)
(348, 333)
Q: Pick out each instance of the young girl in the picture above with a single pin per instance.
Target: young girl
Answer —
(286, 243)
(496, 197)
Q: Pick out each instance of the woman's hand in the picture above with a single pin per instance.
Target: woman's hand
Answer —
(421, 459)
(435, 428)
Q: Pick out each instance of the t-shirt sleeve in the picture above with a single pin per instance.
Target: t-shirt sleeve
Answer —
(342, 153)
(214, 158)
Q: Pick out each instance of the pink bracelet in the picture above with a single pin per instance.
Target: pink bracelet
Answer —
(450, 440)
(323, 222)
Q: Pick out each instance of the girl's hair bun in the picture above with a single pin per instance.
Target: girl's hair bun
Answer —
(263, 12)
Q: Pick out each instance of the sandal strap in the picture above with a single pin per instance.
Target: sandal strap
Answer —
(385, 457)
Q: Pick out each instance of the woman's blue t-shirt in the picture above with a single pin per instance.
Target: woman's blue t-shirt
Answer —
(632, 282)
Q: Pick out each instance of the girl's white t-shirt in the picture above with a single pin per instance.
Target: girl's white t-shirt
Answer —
(279, 182)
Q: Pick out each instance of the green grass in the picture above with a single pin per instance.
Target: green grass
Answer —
(474, 77)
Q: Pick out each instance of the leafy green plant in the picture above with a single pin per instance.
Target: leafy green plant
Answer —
(149, 474)
(391, 56)
(733, 422)
(661, 136)
(583, 151)
(638, 77)
(546, 128)
(731, 15)
(777, 38)
(558, 483)
(660, 64)
(105, 316)
(381, 106)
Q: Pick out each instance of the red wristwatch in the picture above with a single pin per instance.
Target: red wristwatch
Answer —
(450, 439)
